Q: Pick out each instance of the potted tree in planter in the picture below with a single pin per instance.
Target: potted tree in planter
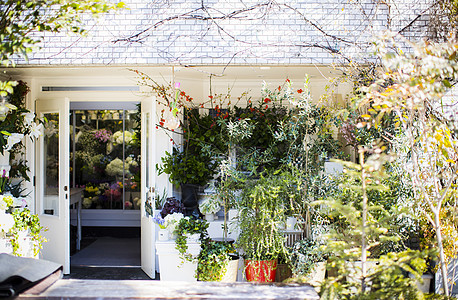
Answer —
(261, 212)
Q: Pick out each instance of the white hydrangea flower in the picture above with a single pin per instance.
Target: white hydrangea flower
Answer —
(171, 221)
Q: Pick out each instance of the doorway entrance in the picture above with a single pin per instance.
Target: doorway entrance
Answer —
(53, 191)
(105, 178)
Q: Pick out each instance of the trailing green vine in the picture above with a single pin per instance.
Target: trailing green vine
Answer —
(213, 260)
(25, 220)
(188, 226)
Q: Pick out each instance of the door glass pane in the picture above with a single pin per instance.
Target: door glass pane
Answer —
(51, 161)
(105, 157)
(132, 161)
(146, 158)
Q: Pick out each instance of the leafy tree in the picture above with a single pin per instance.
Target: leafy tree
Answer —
(411, 87)
(23, 24)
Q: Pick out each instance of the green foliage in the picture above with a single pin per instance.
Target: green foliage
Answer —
(15, 122)
(24, 220)
(213, 260)
(411, 86)
(304, 256)
(194, 164)
(362, 221)
(188, 226)
(261, 212)
(388, 279)
(186, 168)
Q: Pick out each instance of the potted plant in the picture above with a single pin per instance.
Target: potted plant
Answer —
(308, 262)
(217, 261)
(189, 230)
(262, 242)
(20, 230)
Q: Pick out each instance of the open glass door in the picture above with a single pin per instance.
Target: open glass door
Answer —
(148, 178)
(52, 180)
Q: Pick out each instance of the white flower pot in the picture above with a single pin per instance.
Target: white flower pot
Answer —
(193, 238)
(291, 223)
(424, 286)
(171, 266)
(355, 269)
(316, 277)
(163, 235)
(231, 271)
(5, 246)
(209, 217)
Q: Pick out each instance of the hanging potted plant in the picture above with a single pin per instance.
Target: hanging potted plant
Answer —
(261, 212)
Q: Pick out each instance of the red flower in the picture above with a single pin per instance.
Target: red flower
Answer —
(287, 80)
(267, 100)
(211, 97)
(300, 91)
(267, 106)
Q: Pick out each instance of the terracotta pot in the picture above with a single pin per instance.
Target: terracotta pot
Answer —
(260, 270)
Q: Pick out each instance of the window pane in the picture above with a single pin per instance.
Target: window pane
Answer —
(105, 156)
(51, 160)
